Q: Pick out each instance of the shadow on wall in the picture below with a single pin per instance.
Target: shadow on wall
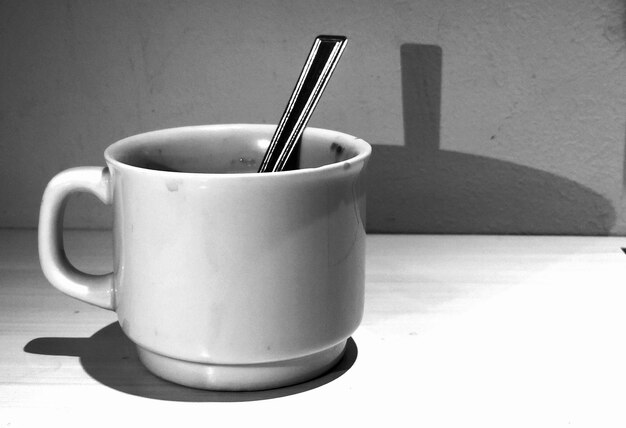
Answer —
(419, 188)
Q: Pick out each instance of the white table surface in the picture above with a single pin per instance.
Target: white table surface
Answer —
(458, 331)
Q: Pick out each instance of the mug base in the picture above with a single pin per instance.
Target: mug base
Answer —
(242, 377)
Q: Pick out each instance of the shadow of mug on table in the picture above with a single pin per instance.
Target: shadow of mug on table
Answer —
(111, 358)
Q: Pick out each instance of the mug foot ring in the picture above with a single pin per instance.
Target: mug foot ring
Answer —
(243, 377)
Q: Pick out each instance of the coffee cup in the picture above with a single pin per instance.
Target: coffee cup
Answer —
(224, 278)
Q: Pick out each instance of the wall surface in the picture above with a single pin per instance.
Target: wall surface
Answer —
(487, 116)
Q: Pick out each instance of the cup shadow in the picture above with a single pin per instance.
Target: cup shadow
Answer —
(422, 188)
(111, 358)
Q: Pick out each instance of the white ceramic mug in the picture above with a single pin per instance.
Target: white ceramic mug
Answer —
(224, 278)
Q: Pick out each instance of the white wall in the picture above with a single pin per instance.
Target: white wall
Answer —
(526, 100)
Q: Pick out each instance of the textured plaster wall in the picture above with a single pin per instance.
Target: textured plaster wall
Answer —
(487, 116)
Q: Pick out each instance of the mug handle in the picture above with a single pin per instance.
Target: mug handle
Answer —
(94, 289)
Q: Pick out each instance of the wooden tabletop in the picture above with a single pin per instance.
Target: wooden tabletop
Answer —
(458, 331)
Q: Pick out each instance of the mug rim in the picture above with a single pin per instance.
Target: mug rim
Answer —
(362, 147)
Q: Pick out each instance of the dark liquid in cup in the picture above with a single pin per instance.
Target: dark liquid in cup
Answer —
(181, 162)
